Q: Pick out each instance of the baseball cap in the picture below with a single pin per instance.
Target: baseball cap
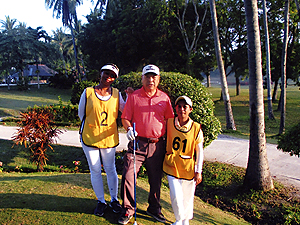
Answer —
(111, 67)
(186, 99)
(151, 69)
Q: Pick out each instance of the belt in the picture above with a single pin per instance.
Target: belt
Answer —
(149, 140)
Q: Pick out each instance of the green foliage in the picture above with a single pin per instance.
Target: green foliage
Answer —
(37, 132)
(62, 114)
(23, 83)
(222, 187)
(175, 85)
(63, 79)
(78, 88)
(290, 141)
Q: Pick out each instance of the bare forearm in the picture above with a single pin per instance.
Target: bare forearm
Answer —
(126, 123)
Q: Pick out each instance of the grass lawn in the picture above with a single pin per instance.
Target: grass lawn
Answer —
(240, 108)
(60, 198)
(13, 101)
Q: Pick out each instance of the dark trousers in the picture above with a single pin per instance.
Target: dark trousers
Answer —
(152, 155)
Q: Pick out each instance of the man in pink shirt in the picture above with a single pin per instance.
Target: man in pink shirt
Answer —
(149, 108)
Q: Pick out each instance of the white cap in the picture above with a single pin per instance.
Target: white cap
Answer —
(111, 67)
(186, 99)
(151, 69)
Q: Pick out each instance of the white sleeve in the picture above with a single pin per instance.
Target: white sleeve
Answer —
(81, 105)
(199, 158)
(121, 102)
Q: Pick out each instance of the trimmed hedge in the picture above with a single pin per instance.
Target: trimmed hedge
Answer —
(290, 141)
(175, 85)
(78, 88)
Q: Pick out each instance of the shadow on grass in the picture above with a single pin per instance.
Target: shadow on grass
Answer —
(60, 157)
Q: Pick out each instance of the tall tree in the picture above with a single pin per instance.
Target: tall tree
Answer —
(7, 26)
(190, 31)
(257, 173)
(67, 8)
(230, 124)
(298, 7)
(283, 67)
(268, 61)
(8, 23)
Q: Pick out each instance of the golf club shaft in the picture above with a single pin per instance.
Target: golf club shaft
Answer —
(134, 171)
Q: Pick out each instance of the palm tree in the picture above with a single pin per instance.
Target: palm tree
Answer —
(257, 173)
(67, 8)
(230, 124)
(268, 61)
(283, 67)
(8, 23)
(63, 43)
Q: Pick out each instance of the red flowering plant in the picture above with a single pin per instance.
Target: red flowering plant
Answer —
(37, 132)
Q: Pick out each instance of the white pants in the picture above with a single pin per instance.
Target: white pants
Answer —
(182, 199)
(93, 156)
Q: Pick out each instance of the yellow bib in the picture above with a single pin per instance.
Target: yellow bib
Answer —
(100, 126)
(179, 160)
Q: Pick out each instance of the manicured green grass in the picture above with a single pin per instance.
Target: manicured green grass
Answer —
(13, 101)
(68, 198)
(240, 108)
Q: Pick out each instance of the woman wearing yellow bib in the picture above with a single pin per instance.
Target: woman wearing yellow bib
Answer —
(183, 160)
(98, 111)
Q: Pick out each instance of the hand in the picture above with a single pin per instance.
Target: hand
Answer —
(198, 178)
(129, 90)
(130, 134)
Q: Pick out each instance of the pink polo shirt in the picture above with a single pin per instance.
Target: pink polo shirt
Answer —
(148, 113)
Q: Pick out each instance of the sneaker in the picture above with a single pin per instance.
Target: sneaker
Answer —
(125, 218)
(99, 211)
(116, 207)
(158, 216)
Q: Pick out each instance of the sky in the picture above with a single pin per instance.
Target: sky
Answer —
(34, 13)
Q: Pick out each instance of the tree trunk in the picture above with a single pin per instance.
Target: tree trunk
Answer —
(208, 79)
(230, 124)
(258, 175)
(268, 62)
(283, 67)
(274, 96)
(75, 52)
(237, 85)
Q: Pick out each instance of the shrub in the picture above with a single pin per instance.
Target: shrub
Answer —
(23, 83)
(290, 141)
(37, 132)
(62, 114)
(78, 88)
(63, 79)
(175, 85)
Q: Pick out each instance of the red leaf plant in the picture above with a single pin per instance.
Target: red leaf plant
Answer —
(37, 131)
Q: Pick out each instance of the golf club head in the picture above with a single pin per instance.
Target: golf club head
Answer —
(135, 223)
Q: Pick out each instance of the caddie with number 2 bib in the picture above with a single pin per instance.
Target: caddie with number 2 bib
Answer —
(98, 111)
(183, 160)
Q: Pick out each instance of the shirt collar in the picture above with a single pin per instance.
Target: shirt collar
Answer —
(185, 127)
(157, 93)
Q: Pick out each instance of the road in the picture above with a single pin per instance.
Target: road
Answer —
(224, 149)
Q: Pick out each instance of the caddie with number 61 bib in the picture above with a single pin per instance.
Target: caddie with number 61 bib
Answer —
(183, 160)
(98, 111)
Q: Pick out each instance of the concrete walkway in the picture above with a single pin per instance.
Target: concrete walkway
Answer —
(225, 149)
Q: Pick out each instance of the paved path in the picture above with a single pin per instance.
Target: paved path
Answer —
(225, 149)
